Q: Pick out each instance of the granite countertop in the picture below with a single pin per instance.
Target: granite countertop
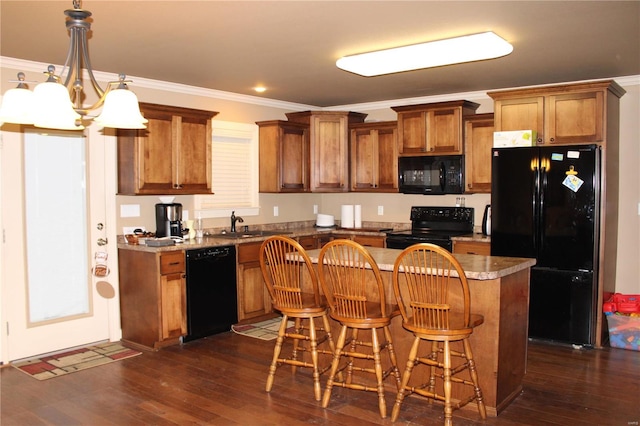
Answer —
(219, 240)
(475, 266)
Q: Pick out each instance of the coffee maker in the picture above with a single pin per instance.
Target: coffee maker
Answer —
(168, 220)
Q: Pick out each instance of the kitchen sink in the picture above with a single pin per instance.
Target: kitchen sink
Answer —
(249, 234)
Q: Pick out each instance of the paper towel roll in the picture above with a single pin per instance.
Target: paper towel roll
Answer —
(357, 216)
(346, 219)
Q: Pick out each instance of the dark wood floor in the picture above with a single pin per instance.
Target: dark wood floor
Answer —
(220, 381)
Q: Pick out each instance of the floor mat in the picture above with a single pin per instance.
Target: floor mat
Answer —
(57, 365)
(264, 330)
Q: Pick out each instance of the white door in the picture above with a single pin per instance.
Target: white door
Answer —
(55, 293)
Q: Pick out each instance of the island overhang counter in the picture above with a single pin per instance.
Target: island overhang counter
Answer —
(499, 288)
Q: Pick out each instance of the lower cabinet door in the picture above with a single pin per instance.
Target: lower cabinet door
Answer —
(253, 296)
(174, 305)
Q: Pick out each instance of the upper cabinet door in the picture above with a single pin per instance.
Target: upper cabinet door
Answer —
(433, 129)
(520, 114)
(575, 117)
(171, 156)
(329, 147)
(478, 141)
(374, 157)
(192, 153)
(444, 131)
(284, 156)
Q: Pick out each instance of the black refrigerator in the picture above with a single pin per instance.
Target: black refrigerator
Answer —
(545, 204)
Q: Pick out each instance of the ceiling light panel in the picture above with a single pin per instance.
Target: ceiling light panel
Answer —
(469, 48)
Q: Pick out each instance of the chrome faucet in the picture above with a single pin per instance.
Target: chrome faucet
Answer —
(235, 219)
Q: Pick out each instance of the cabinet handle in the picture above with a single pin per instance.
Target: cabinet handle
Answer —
(177, 186)
(552, 139)
(174, 263)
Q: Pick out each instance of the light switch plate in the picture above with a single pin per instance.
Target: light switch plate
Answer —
(276, 212)
(380, 210)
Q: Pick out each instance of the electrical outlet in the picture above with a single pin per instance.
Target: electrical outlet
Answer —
(315, 209)
(276, 212)
(380, 210)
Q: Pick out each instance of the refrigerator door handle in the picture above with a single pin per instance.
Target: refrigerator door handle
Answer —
(541, 223)
(534, 207)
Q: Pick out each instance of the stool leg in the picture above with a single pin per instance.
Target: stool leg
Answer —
(375, 345)
(411, 362)
(276, 353)
(474, 378)
(314, 359)
(392, 356)
(353, 346)
(334, 366)
(332, 345)
(296, 344)
(432, 375)
(448, 410)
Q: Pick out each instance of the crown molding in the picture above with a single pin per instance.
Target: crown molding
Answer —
(24, 65)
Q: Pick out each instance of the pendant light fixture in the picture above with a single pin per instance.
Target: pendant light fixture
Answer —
(57, 105)
(469, 48)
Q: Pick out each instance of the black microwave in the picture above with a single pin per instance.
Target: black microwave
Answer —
(431, 174)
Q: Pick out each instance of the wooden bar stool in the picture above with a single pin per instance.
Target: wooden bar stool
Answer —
(433, 294)
(285, 267)
(352, 283)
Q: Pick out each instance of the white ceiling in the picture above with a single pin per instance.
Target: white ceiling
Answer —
(291, 46)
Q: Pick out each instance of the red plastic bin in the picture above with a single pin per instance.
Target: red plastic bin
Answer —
(623, 318)
(623, 303)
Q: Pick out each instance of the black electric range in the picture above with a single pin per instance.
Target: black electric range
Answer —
(436, 225)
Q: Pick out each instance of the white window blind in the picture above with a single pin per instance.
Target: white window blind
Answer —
(234, 152)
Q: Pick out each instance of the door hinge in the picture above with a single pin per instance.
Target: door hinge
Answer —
(7, 328)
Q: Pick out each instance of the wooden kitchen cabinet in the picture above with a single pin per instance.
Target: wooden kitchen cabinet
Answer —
(478, 141)
(329, 147)
(562, 114)
(364, 240)
(309, 242)
(253, 296)
(433, 129)
(472, 247)
(171, 156)
(374, 157)
(284, 156)
(153, 299)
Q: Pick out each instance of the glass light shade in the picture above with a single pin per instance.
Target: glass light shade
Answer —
(121, 111)
(475, 47)
(16, 106)
(52, 108)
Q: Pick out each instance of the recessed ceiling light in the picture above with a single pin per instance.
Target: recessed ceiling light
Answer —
(260, 89)
(475, 47)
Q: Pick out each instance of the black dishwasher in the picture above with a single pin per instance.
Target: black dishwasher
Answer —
(211, 291)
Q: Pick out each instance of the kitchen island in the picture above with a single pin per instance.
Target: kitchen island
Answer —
(499, 288)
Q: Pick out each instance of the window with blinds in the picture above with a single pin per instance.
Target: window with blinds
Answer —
(234, 152)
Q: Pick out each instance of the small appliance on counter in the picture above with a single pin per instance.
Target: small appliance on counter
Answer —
(168, 220)
(325, 221)
(486, 220)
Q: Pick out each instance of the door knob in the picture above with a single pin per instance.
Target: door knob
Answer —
(103, 241)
